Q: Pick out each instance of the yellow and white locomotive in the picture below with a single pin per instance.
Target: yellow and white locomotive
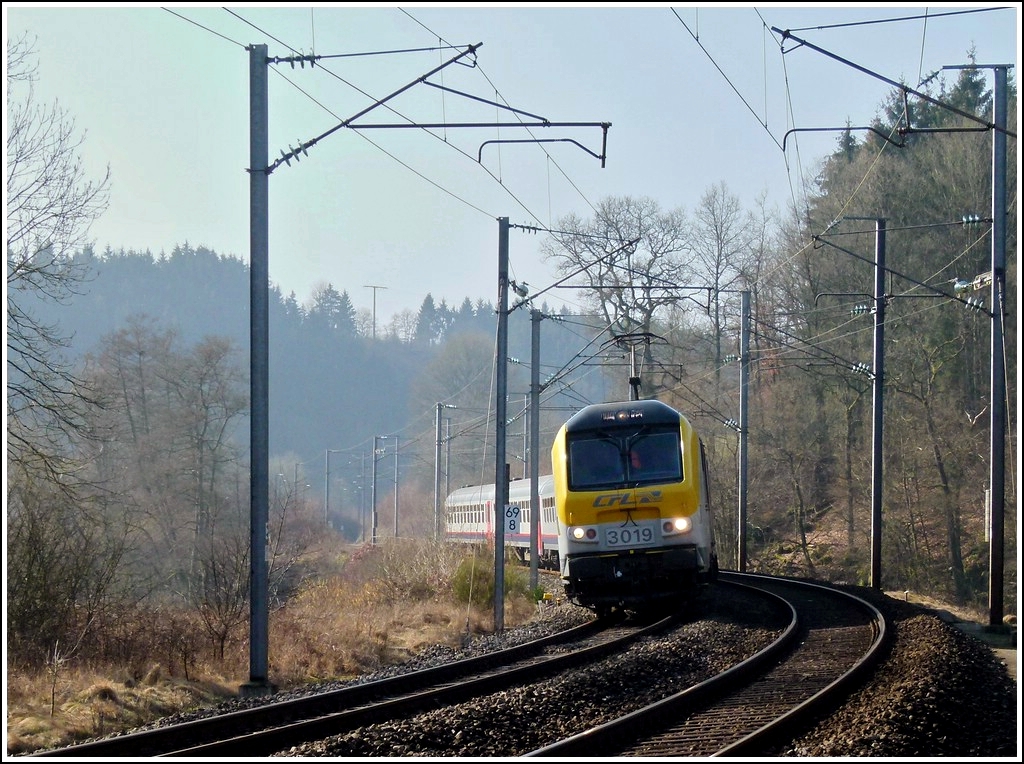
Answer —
(631, 496)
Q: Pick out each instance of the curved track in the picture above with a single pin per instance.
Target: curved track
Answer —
(829, 643)
(834, 642)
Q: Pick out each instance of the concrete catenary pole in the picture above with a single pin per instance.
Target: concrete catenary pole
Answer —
(742, 455)
(373, 492)
(998, 381)
(396, 486)
(259, 433)
(536, 511)
(438, 442)
(500, 426)
(877, 406)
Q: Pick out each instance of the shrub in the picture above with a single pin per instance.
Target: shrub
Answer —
(473, 581)
(401, 570)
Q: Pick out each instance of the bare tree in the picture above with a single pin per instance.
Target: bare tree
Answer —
(50, 206)
(206, 394)
(918, 381)
(169, 419)
(365, 323)
(630, 257)
(220, 592)
(402, 326)
(461, 374)
(64, 550)
(723, 238)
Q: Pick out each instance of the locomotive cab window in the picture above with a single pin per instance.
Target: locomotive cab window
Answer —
(628, 458)
(655, 457)
(595, 463)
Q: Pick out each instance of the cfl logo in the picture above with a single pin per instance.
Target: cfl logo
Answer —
(627, 498)
(613, 500)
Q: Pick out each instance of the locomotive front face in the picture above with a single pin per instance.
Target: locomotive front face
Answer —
(629, 493)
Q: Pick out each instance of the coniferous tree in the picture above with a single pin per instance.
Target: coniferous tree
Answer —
(427, 322)
(331, 311)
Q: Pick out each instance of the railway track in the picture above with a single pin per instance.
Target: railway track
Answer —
(735, 705)
(832, 644)
(274, 727)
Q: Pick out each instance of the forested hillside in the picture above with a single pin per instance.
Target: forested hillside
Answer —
(332, 386)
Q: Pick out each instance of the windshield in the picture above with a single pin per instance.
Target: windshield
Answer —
(604, 460)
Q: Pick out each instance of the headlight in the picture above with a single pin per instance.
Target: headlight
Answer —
(582, 533)
(677, 525)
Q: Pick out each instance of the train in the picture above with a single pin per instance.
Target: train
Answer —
(470, 519)
(625, 517)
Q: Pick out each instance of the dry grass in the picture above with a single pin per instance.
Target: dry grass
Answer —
(968, 613)
(364, 613)
(87, 703)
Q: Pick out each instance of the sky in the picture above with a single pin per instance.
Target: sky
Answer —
(696, 96)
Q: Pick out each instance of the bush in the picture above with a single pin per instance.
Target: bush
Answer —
(473, 581)
(402, 570)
